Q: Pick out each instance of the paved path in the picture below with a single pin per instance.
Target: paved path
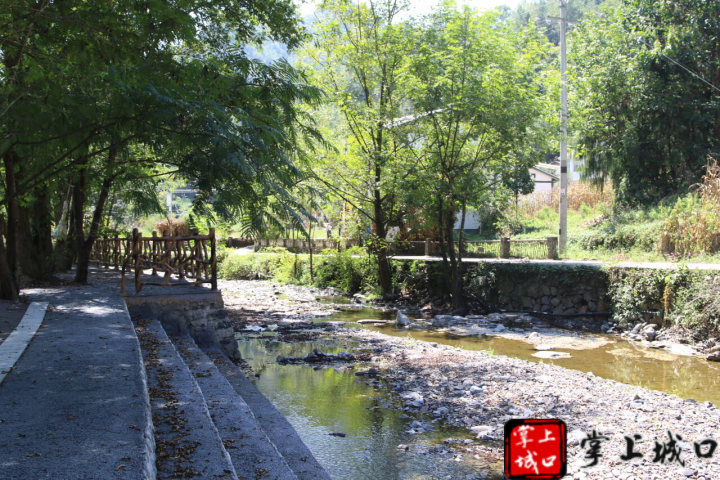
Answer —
(75, 405)
(575, 263)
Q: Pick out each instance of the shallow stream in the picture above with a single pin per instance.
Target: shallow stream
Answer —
(620, 360)
(318, 402)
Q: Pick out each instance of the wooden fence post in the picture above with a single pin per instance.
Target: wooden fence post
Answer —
(552, 247)
(427, 247)
(137, 249)
(505, 247)
(213, 260)
(153, 253)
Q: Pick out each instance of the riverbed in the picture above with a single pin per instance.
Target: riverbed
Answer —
(426, 361)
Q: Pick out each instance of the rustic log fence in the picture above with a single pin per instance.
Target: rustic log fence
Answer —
(504, 248)
(192, 257)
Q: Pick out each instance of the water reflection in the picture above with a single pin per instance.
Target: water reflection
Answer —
(318, 402)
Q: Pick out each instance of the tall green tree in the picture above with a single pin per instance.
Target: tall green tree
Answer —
(477, 95)
(644, 118)
(83, 82)
(357, 57)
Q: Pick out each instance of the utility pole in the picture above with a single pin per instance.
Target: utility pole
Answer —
(562, 244)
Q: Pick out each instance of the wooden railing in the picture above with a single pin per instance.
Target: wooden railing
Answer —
(185, 256)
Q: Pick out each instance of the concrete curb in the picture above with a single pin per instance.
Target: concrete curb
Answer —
(15, 344)
(149, 470)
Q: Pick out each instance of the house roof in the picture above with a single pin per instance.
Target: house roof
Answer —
(545, 173)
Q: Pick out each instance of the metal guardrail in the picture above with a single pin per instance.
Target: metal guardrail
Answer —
(185, 256)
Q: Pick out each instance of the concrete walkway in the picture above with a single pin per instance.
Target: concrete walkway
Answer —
(574, 263)
(75, 405)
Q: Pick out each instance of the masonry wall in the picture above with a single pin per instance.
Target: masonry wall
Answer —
(546, 288)
(202, 316)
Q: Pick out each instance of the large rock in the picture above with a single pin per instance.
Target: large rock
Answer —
(402, 320)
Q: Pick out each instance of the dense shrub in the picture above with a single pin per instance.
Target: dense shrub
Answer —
(341, 270)
(692, 225)
(696, 305)
(249, 267)
(620, 237)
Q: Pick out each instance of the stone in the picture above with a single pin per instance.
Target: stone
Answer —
(545, 300)
(575, 437)
(358, 298)
(555, 301)
(402, 320)
(543, 347)
(534, 335)
(440, 412)
(649, 334)
(638, 327)
(551, 355)
(481, 429)
(475, 390)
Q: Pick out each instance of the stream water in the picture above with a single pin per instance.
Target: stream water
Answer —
(620, 360)
(318, 402)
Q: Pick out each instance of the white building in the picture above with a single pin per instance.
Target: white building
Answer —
(544, 181)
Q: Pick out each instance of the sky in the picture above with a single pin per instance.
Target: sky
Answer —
(422, 7)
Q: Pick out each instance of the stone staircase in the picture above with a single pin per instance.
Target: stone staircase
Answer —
(210, 420)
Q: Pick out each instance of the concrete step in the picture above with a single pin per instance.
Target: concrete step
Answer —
(187, 441)
(297, 455)
(252, 453)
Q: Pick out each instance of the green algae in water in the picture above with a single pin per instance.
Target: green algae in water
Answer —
(318, 402)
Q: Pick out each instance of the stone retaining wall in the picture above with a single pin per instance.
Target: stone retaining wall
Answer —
(550, 289)
(201, 315)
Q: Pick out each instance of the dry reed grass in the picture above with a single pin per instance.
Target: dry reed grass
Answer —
(171, 226)
(579, 193)
(692, 226)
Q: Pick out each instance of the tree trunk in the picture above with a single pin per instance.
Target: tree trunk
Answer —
(11, 233)
(380, 246)
(458, 288)
(35, 236)
(84, 245)
(78, 214)
(443, 242)
(8, 287)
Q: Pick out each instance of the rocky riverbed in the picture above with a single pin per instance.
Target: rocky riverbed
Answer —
(480, 391)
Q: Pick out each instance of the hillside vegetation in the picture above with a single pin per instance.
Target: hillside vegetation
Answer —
(685, 228)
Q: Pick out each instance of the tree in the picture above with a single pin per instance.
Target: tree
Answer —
(357, 58)
(476, 91)
(645, 122)
(171, 77)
